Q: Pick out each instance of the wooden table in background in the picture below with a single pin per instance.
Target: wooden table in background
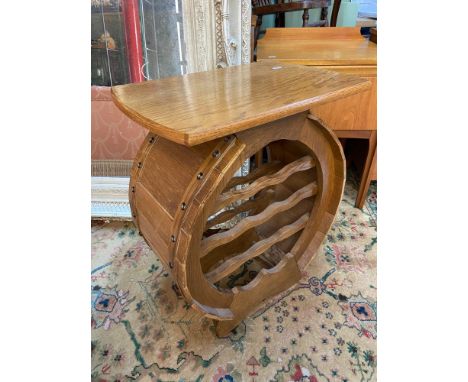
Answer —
(343, 50)
(192, 210)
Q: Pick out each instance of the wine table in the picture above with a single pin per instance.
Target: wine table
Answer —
(205, 223)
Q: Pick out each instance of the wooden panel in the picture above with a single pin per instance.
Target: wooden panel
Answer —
(317, 46)
(200, 107)
(356, 112)
(166, 159)
(154, 222)
(319, 34)
(355, 70)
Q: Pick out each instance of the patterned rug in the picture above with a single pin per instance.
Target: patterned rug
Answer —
(323, 329)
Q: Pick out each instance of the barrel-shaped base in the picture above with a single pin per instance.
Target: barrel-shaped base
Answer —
(206, 224)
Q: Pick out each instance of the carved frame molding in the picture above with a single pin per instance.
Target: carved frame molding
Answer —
(217, 33)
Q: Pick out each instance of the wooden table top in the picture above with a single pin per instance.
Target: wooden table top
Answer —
(200, 107)
(317, 46)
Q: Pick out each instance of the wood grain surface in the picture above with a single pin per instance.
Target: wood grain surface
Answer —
(199, 107)
(317, 46)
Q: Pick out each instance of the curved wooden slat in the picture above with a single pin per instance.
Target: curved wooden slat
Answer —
(253, 175)
(220, 254)
(218, 239)
(229, 266)
(244, 207)
(302, 164)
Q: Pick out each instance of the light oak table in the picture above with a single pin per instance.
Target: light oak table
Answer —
(203, 222)
(342, 50)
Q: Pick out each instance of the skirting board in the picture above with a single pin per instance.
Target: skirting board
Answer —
(109, 198)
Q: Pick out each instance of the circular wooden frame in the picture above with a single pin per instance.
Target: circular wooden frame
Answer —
(181, 187)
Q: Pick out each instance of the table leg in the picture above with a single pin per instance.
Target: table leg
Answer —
(366, 173)
(366, 176)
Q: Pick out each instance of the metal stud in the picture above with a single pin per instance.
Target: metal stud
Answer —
(200, 176)
(216, 154)
(133, 188)
(183, 206)
(139, 165)
(173, 238)
(151, 140)
(171, 265)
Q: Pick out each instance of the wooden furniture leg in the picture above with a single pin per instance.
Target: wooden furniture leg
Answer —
(365, 183)
(335, 11)
(253, 31)
(367, 173)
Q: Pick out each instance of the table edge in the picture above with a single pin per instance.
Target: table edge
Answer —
(194, 139)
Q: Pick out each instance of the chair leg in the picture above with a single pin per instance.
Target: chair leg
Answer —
(305, 18)
(324, 15)
(277, 20)
(257, 30)
(365, 178)
(335, 11)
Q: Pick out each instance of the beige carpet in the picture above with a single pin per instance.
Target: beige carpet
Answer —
(323, 329)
